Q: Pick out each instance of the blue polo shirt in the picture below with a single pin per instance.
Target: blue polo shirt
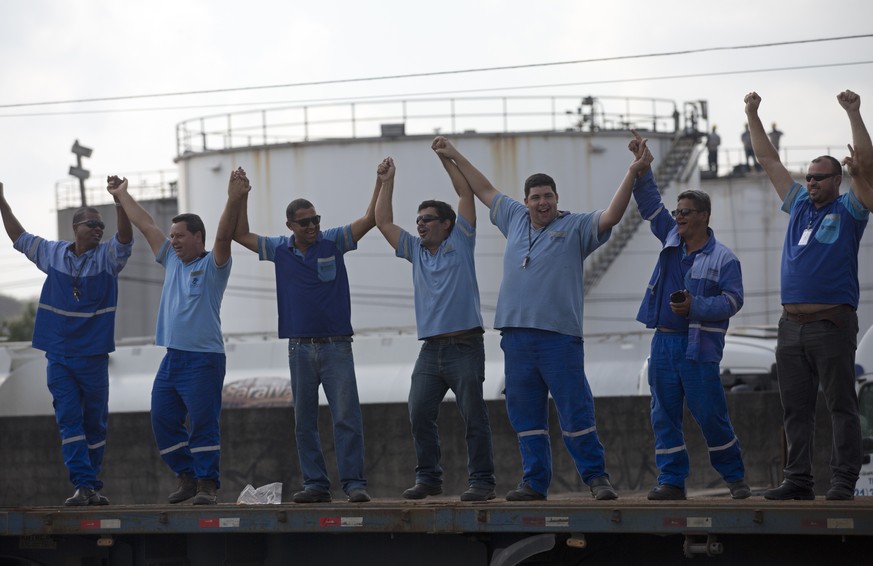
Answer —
(80, 324)
(188, 317)
(312, 290)
(824, 269)
(445, 288)
(548, 293)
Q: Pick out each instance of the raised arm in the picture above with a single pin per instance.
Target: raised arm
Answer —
(241, 234)
(765, 153)
(466, 202)
(137, 214)
(479, 184)
(384, 206)
(860, 160)
(861, 188)
(237, 187)
(366, 222)
(642, 161)
(13, 227)
(125, 230)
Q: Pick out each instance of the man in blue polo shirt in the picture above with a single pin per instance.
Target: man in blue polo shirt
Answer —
(818, 330)
(75, 326)
(449, 321)
(191, 375)
(539, 312)
(312, 292)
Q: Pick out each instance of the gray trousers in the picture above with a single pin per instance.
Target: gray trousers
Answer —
(809, 355)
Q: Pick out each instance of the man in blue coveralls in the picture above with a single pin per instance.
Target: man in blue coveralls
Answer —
(539, 312)
(189, 381)
(818, 330)
(697, 285)
(315, 315)
(75, 326)
(449, 322)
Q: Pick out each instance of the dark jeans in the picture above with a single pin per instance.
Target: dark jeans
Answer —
(331, 366)
(809, 354)
(457, 364)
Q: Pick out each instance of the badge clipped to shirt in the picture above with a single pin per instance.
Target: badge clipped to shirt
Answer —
(804, 238)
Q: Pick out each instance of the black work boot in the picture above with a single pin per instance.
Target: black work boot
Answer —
(207, 493)
(83, 496)
(186, 490)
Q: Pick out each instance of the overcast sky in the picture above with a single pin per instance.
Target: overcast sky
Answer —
(53, 50)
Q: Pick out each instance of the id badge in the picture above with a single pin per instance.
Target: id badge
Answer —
(804, 238)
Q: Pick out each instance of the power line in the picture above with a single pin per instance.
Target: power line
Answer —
(393, 97)
(438, 73)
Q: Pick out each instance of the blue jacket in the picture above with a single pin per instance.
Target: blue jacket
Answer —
(715, 280)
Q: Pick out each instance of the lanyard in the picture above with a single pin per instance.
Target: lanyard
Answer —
(531, 243)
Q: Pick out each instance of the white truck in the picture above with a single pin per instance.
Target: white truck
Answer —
(864, 369)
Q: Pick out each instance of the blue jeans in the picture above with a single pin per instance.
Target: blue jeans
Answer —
(539, 362)
(331, 366)
(457, 364)
(674, 381)
(188, 386)
(808, 355)
(80, 392)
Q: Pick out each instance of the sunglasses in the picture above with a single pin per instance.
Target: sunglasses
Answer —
(683, 212)
(819, 176)
(304, 222)
(426, 218)
(91, 224)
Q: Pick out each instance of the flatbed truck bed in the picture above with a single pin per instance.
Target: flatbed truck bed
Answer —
(442, 530)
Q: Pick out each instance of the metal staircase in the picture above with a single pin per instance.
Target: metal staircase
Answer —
(683, 151)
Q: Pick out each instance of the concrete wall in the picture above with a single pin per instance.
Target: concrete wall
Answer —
(258, 447)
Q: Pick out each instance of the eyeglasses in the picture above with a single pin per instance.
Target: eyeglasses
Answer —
(426, 218)
(91, 224)
(683, 212)
(304, 222)
(820, 176)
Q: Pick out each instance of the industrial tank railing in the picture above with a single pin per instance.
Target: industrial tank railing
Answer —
(395, 118)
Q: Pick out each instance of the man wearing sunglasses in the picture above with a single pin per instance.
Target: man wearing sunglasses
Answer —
(75, 326)
(818, 329)
(695, 288)
(314, 303)
(539, 313)
(191, 375)
(449, 322)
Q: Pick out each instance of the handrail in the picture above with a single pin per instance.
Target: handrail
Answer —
(143, 185)
(389, 118)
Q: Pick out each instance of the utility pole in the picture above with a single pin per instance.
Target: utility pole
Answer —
(77, 170)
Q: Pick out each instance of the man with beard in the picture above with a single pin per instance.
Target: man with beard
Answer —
(818, 330)
(449, 322)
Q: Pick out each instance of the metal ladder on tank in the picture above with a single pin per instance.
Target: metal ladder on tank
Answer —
(682, 152)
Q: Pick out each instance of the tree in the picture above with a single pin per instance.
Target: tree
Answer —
(21, 329)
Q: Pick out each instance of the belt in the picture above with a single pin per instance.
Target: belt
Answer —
(463, 336)
(320, 339)
(826, 314)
